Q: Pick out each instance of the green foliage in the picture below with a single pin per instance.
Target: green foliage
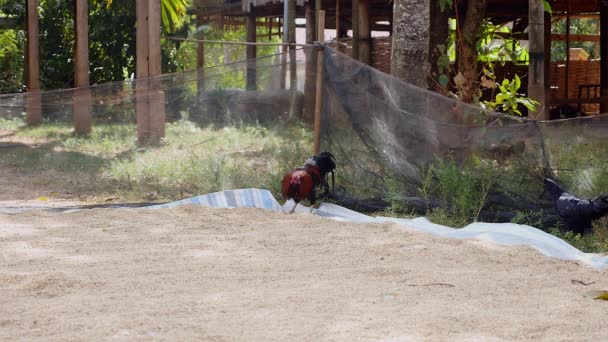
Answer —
(547, 6)
(445, 4)
(530, 218)
(589, 243)
(496, 44)
(596, 242)
(508, 99)
(460, 191)
(11, 61)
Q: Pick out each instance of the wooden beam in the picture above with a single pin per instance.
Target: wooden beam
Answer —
(32, 65)
(338, 27)
(604, 55)
(81, 107)
(547, 64)
(536, 69)
(364, 32)
(356, 29)
(309, 15)
(576, 37)
(251, 52)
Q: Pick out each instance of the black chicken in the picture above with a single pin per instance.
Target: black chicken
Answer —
(578, 213)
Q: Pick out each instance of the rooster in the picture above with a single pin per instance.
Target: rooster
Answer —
(577, 212)
(304, 182)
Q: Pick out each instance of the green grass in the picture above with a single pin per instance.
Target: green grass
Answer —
(190, 160)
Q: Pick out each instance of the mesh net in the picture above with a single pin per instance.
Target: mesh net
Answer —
(421, 150)
(246, 123)
(230, 126)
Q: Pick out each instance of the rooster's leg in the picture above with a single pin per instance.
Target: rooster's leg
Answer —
(294, 208)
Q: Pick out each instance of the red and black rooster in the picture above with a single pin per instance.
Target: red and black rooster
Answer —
(304, 182)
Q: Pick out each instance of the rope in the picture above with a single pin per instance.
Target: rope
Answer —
(232, 42)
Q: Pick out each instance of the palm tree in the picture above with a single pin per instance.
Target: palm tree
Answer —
(173, 13)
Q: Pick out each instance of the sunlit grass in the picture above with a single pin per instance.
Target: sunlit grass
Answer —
(190, 160)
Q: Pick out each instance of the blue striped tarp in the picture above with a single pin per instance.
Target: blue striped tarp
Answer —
(242, 198)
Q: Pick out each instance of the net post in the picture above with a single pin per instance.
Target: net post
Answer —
(251, 50)
(319, 90)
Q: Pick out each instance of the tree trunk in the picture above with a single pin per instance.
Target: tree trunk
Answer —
(414, 52)
(467, 52)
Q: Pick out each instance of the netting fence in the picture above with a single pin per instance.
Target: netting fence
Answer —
(398, 147)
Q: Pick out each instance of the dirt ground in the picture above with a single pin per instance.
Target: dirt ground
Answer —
(224, 275)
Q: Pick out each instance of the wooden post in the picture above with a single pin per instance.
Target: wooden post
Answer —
(150, 99)
(319, 94)
(547, 27)
(293, 77)
(536, 69)
(356, 29)
(309, 15)
(338, 19)
(310, 72)
(32, 66)
(604, 55)
(567, 52)
(284, 53)
(269, 22)
(200, 56)
(251, 51)
(364, 32)
(81, 107)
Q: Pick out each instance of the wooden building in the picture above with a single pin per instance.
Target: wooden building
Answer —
(575, 82)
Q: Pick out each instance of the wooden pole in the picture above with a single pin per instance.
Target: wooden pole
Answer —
(200, 55)
(604, 55)
(319, 90)
(81, 107)
(150, 99)
(356, 30)
(364, 32)
(32, 63)
(338, 19)
(155, 65)
(293, 78)
(536, 68)
(309, 15)
(141, 39)
(310, 72)
(567, 52)
(251, 51)
(547, 80)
